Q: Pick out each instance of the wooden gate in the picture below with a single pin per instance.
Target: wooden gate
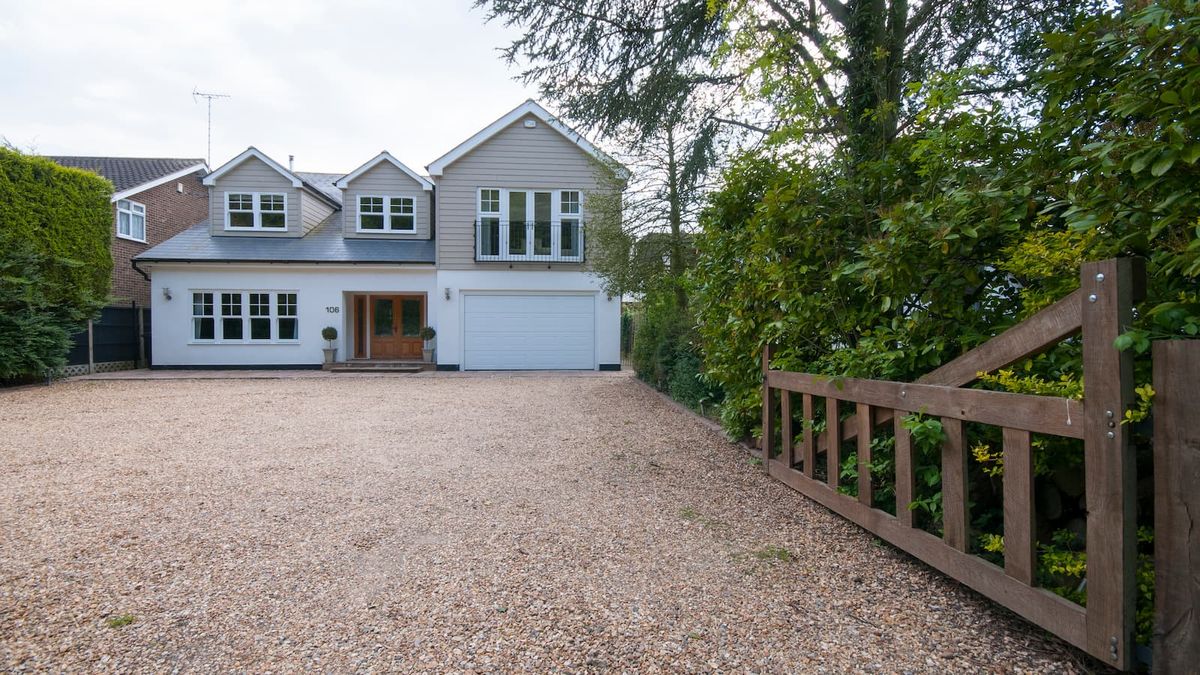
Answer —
(1101, 309)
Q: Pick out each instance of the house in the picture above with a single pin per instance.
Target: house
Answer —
(489, 248)
(154, 199)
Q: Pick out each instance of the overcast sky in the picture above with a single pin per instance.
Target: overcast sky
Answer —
(332, 82)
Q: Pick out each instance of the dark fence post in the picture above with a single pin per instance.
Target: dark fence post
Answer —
(1176, 506)
(141, 336)
(91, 348)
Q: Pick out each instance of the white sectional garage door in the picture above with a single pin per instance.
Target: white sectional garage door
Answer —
(529, 332)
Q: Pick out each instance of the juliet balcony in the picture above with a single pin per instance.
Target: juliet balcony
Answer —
(548, 241)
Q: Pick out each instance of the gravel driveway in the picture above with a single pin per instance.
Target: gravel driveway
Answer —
(442, 523)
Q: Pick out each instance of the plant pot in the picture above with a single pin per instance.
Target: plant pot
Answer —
(427, 355)
(330, 354)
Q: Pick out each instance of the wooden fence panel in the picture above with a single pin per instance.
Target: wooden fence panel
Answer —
(810, 448)
(905, 472)
(785, 423)
(1039, 414)
(1020, 545)
(863, 413)
(1176, 507)
(833, 451)
(1102, 309)
(955, 512)
(768, 414)
(1030, 337)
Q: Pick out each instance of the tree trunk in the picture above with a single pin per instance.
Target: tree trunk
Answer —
(675, 219)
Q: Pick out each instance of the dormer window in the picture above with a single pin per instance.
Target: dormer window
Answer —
(386, 214)
(131, 220)
(255, 211)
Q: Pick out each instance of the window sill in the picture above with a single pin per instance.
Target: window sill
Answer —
(263, 343)
(361, 231)
(229, 228)
(564, 260)
(126, 237)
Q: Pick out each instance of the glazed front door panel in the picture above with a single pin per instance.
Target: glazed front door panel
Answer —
(394, 325)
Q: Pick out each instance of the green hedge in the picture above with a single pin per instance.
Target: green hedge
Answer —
(55, 263)
(665, 352)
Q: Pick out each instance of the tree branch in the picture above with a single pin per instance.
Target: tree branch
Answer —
(745, 125)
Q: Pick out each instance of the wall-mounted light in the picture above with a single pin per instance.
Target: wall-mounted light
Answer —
(446, 292)
(167, 293)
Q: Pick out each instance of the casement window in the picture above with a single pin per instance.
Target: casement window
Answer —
(131, 220)
(255, 211)
(489, 222)
(244, 317)
(569, 224)
(203, 321)
(529, 225)
(386, 214)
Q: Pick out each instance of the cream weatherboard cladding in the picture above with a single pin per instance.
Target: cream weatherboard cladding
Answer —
(313, 210)
(517, 157)
(253, 175)
(385, 179)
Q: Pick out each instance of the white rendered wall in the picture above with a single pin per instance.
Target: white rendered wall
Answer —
(450, 312)
(318, 288)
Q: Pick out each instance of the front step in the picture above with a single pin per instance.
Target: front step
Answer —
(378, 367)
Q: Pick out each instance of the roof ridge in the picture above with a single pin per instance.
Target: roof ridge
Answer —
(198, 160)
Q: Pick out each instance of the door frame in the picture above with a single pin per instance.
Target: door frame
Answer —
(362, 320)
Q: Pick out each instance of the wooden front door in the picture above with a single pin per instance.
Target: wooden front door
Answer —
(394, 325)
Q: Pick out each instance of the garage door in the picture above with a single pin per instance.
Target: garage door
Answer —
(529, 332)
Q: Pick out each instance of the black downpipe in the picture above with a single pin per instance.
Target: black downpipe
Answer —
(139, 270)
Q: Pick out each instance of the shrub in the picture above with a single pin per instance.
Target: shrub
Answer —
(660, 330)
(55, 263)
(329, 333)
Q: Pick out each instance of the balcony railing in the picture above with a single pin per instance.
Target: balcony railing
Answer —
(553, 241)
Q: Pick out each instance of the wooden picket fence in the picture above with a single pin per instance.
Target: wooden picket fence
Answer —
(1101, 309)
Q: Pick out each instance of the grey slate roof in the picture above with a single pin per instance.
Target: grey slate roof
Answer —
(128, 172)
(322, 182)
(324, 244)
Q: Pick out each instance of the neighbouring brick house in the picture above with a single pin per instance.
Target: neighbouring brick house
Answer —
(154, 199)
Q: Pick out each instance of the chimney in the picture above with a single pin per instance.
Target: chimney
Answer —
(291, 160)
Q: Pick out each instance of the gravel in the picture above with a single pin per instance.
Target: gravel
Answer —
(444, 524)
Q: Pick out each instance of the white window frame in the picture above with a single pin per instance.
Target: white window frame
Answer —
(218, 316)
(256, 209)
(130, 209)
(388, 226)
(211, 315)
(556, 218)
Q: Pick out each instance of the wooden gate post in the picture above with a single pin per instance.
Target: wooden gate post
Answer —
(1110, 473)
(1176, 506)
(768, 412)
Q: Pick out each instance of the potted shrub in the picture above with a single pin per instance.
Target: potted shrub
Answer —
(427, 333)
(329, 334)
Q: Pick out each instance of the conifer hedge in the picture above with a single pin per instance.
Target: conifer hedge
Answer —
(55, 263)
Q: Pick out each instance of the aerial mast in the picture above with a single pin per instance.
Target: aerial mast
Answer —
(196, 93)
